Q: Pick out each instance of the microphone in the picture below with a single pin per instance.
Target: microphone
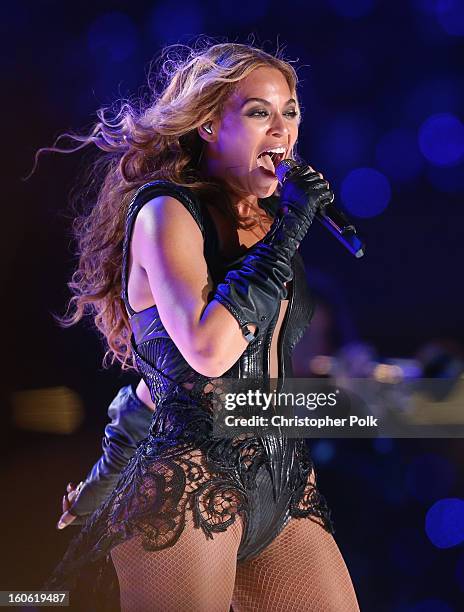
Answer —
(331, 218)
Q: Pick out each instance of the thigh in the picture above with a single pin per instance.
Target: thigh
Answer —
(301, 570)
(195, 574)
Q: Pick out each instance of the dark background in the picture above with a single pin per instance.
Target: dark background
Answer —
(382, 92)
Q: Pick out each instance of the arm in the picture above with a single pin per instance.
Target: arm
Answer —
(212, 329)
(130, 422)
(168, 245)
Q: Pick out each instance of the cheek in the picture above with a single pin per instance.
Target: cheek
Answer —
(231, 148)
(247, 130)
(294, 129)
(237, 143)
(230, 139)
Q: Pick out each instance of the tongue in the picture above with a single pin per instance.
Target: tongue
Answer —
(265, 161)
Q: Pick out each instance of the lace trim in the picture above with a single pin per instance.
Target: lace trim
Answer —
(180, 467)
(308, 500)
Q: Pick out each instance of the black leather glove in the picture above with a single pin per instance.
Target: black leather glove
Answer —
(252, 292)
(130, 423)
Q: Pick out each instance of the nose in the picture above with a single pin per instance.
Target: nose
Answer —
(279, 125)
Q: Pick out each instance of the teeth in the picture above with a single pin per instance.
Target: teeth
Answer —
(275, 150)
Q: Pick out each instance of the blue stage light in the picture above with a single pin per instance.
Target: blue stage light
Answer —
(112, 36)
(398, 155)
(441, 139)
(444, 522)
(365, 192)
(323, 451)
(450, 15)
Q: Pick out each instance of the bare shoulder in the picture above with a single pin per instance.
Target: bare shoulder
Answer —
(166, 222)
(166, 210)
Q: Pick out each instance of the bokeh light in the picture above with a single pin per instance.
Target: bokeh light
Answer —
(444, 522)
(450, 15)
(56, 410)
(365, 192)
(441, 139)
(323, 451)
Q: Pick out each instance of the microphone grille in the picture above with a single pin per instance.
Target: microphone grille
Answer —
(283, 167)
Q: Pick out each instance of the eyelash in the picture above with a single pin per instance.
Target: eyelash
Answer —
(260, 113)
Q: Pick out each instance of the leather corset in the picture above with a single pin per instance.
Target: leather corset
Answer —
(158, 359)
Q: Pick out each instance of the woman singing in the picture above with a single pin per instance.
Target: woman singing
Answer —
(189, 259)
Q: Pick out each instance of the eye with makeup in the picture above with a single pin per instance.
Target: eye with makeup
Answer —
(264, 113)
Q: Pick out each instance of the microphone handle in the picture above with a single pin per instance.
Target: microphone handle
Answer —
(336, 222)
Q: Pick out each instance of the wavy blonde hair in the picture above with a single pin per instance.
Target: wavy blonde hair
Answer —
(146, 142)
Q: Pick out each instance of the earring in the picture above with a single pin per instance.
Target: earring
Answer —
(208, 129)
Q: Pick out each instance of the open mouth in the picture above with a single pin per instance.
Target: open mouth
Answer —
(269, 160)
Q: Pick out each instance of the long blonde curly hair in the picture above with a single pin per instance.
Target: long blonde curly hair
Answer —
(144, 142)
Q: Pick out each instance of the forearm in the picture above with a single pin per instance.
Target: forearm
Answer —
(245, 302)
(252, 292)
(220, 341)
(130, 423)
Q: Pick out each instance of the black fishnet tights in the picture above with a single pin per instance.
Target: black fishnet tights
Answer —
(194, 575)
(301, 570)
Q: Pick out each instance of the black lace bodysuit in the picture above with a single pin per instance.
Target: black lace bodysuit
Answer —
(180, 467)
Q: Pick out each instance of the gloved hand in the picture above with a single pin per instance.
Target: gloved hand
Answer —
(303, 192)
(130, 424)
(252, 292)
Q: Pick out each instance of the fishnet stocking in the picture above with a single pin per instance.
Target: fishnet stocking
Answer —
(301, 570)
(194, 575)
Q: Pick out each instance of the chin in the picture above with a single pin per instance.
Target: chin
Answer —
(258, 187)
(266, 192)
